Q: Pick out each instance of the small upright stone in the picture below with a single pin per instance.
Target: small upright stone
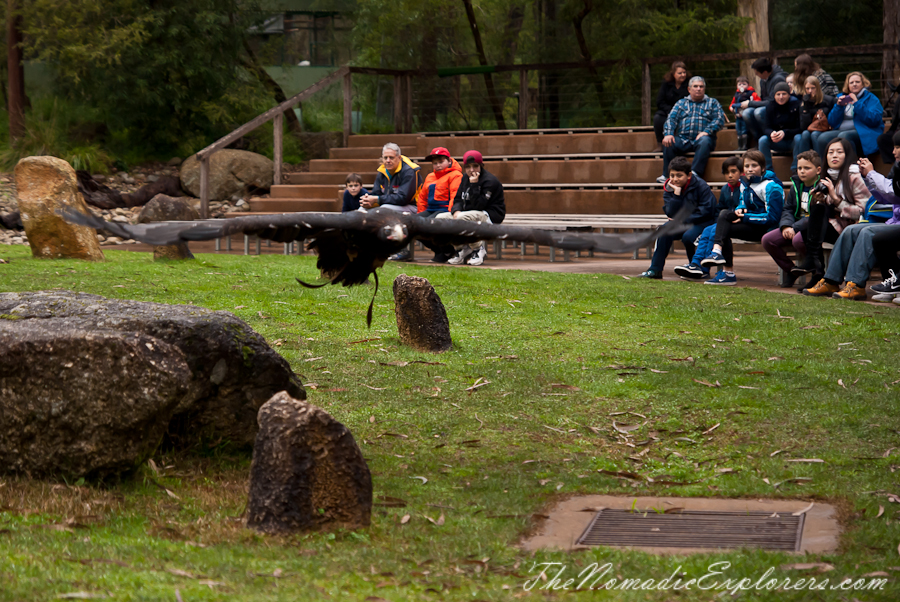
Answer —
(163, 208)
(307, 471)
(421, 317)
(43, 186)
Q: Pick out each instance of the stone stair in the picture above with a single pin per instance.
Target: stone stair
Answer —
(583, 171)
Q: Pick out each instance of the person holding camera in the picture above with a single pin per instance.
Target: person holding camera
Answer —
(838, 202)
(856, 116)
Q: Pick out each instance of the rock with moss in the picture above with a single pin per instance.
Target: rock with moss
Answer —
(233, 173)
(308, 473)
(233, 371)
(80, 402)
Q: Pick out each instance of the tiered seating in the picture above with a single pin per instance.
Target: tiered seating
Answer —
(599, 171)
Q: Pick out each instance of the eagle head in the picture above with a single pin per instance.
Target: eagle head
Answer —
(394, 232)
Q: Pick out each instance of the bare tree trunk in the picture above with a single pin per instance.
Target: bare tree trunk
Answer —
(890, 62)
(482, 58)
(582, 45)
(756, 34)
(509, 40)
(16, 71)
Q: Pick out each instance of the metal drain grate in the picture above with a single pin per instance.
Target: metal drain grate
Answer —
(694, 529)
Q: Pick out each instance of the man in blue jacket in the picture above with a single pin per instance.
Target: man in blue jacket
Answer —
(682, 187)
(396, 182)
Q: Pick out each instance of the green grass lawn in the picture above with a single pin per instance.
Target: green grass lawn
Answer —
(563, 356)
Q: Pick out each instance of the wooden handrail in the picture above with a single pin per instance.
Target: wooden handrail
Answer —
(275, 113)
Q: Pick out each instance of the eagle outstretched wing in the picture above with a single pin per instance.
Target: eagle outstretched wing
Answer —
(352, 246)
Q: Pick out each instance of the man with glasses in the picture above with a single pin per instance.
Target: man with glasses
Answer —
(479, 198)
(692, 127)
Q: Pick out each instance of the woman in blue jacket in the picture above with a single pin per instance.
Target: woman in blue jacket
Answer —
(857, 116)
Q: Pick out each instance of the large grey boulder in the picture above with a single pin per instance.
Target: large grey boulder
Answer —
(307, 472)
(233, 371)
(82, 402)
(231, 173)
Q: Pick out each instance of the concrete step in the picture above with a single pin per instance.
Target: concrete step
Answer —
(293, 205)
(310, 191)
(403, 140)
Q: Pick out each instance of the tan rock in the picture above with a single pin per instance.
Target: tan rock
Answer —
(45, 185)
(421, 318)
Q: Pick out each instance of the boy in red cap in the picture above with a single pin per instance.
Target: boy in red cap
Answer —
(478, 199)
(436, 195)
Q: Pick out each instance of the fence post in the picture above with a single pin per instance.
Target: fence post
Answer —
(646, 93)
(204, 188)
(398, 104)
(408, 117)
(348, 106)
(278, 125)
(523, 99)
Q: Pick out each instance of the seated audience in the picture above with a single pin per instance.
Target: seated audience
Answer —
(831, 212)
(673, 89)
(804, 68)
(884, 243)
(479, 198)
(813, 118)
(744, 92)
(759, 210)
(682, 187)
(754, 113)
(732, 169)
(794, 216)
(437, 193)
(857, 115)
(692, 126)
(353, 193)
(782, 123)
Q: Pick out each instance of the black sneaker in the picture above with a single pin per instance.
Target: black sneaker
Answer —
(653, 274)
(441, 258)
(888, 286)
(691, 271)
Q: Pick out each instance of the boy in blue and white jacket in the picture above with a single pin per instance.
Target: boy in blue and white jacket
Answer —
(759, 210)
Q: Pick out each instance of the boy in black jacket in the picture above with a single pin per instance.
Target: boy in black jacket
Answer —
(794, 217)
(683, 186)
(479, 198)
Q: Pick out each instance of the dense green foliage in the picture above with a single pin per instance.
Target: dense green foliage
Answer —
(565, 356)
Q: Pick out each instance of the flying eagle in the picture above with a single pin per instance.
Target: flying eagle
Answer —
(352, 246)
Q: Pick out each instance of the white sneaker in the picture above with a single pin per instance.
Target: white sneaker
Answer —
(883, 297)
(461, 256)
(478, 256)
(661, 180)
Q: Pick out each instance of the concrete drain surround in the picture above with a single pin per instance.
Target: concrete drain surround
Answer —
(672, 525)
(687, 529)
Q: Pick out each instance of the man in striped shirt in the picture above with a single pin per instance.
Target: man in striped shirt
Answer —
(692, 127)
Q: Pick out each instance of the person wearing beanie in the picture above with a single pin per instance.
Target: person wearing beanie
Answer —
(782, 123)
(479, 198)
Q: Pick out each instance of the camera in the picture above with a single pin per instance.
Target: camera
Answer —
(820, 188)
(844, 100)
